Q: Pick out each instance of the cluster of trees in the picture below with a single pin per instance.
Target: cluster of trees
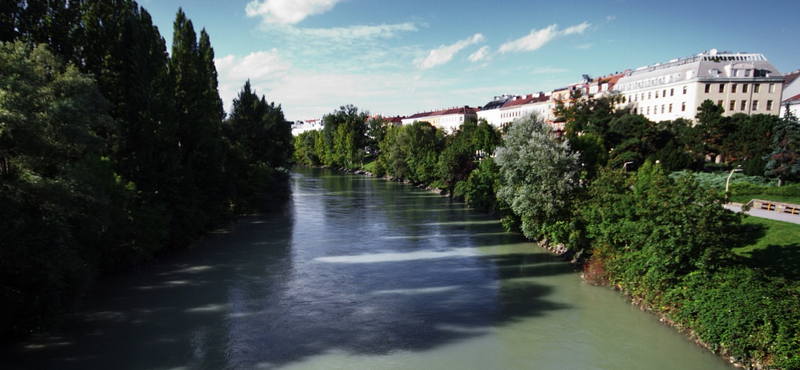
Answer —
(603, 190)
(112, 150)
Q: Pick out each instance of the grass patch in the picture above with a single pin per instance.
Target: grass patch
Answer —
(370, 167)
(774, 247)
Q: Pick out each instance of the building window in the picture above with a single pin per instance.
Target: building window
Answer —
(684, 90)
(670, 107)
(683, 107)
(747, 73)
(743, 106)
(771, 88)
(719, 102)
(756, 88)
(648, 110)
(664, 93)
(732, 106)
(671, 92)
(733, 88)
(744, 88)
(722, 88)
(735, 73)
(755, 104)
(769, 104)
(708, 88)
(662, 108)
(656, 94)
(649, 95)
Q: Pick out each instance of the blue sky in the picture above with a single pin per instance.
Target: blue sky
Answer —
(400, 57)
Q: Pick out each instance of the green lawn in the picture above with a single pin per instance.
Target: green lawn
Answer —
(774, 247)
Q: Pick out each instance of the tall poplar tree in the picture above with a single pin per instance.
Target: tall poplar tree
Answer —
(199, 117)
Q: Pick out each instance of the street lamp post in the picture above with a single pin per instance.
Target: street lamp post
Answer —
(728, 182)
(625, 166)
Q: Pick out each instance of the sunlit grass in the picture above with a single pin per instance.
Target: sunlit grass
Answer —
(773, 248)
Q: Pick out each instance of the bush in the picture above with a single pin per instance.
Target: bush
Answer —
(741, 313)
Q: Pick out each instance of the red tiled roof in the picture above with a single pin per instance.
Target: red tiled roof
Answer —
(527, 99)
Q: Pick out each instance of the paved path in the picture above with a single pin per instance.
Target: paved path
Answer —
(773, 215)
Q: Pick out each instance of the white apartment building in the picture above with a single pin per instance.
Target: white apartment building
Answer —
(491, 111)
(791, 94)
(447, 119)
(520, 106)
(739, 82)
(300, 127)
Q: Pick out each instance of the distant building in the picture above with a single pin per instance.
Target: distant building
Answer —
(491, 110)
(791, 94)
(299, 127)
(520, 106)
(739, 82)
(447, 119)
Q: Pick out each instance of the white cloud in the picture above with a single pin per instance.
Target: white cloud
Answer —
(256, 65)
(288, 11)
(579, 29)
(260, 66)
(354, 32)
(445, 53)
(537, 39)
(481, 54)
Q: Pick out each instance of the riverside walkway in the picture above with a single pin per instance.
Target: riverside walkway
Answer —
(763, 213)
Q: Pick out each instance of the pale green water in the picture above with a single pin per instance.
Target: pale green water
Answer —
(360, 273)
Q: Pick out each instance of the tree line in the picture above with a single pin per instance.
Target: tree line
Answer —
(609, 190)
(113, 150)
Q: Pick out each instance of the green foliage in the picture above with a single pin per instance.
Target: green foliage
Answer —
(652, 231)
(717, 180)
(57, 202)
(783, 160)
(469, 142)
(345, 137)
(742, 314)
(668, 244)
(539, 176)
(101, 173)
(260, 140)
(593, 154)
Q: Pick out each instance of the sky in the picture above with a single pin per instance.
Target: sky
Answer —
(401, 57)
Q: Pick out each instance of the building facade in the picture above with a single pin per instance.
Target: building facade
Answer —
(447, 119)
(739, 82)
(791, 94)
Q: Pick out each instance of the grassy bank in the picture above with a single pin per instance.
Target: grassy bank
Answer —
(774, 248)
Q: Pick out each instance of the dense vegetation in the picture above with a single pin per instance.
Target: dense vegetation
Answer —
(112, 150)
(637, 202)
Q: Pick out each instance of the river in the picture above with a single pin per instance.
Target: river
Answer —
(359, 273)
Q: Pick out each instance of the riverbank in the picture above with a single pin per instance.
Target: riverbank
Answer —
(724, 306)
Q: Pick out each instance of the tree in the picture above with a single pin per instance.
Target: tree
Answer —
(377, 127)
(345, 135)
(783, 161)
(259, 137)
(539, 177)
(652, 231)
(57, 190)
(199, 117)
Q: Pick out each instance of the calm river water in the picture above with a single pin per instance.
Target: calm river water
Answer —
(360, 273)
